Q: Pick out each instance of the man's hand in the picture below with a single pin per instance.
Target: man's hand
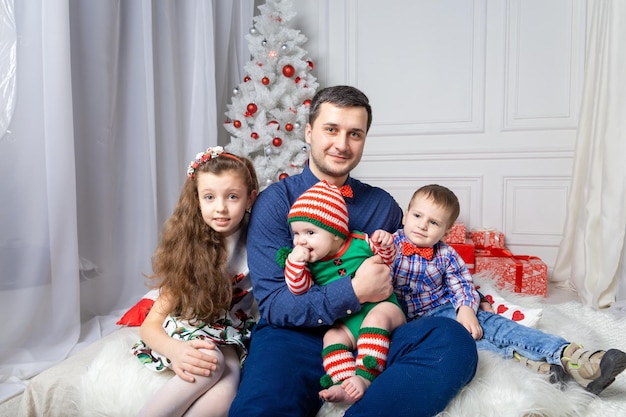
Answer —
(372, 281)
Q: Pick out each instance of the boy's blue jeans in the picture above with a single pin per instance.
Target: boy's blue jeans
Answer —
(429, 361)
(504, 336)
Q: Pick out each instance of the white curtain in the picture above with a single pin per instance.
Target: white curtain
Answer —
(111, 101)
(592, 256)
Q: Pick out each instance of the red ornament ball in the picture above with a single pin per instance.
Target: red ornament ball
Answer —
(288, 127)
(246, 78)
(237, 124)
(288, 71)
(311, 64)
(307, 102)
(254, 135)
(277, 142)
(265, 81)
(283, 176)
(274, 122)
(252, 108)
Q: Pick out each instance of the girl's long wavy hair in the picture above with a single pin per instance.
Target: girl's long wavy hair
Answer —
(189, 264)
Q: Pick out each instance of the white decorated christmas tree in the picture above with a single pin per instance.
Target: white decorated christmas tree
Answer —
(269, 109)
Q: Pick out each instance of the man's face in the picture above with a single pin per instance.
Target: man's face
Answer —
(336, 138)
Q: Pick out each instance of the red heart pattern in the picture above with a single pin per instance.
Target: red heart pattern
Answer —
(512, 311)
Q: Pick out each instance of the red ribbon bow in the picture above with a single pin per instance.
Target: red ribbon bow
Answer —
(346, 191)
(409, 249)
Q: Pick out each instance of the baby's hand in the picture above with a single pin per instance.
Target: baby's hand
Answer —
(188, 360)
(382, 238)
(468, 319)
(300, 254)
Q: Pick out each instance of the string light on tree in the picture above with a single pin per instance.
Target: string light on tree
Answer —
(269, 108)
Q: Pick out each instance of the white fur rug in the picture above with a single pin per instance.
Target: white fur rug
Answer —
(115, 383)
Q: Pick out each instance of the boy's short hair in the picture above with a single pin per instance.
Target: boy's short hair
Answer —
(443, 197)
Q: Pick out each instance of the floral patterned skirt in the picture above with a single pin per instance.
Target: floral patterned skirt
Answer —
(218, 332)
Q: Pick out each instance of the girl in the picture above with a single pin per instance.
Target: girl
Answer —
(200, 323)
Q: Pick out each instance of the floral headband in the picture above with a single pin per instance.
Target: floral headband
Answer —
(202, 157)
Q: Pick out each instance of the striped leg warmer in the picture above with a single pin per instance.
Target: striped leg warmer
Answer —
(338, 363)
(372, 347)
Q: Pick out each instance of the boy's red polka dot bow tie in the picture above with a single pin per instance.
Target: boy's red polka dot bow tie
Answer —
(409, 249)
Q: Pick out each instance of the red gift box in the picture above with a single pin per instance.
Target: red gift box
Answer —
(487, 238)
(458, 234)
(519, 273)
(466, 252)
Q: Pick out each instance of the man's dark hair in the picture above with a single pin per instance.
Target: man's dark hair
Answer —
(340, 96)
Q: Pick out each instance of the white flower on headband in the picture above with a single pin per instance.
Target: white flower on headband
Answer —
(202, 157)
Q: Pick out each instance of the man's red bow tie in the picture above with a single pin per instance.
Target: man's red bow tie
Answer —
(346, 191)
(409, 249)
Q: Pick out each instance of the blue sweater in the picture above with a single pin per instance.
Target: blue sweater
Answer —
(371, 208)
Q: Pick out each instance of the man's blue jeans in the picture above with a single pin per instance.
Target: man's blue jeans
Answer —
(430, 360)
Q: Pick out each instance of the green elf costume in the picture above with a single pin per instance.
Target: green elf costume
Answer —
(324, 206)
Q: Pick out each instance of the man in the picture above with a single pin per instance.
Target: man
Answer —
(429, 360)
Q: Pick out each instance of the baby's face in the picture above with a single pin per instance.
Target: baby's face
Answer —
(320, 242)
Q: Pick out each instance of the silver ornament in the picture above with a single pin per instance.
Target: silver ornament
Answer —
(252, 31)
(236, 90)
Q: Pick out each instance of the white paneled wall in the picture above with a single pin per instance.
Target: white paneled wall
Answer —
(481, 96)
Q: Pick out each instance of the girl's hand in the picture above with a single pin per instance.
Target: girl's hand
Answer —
(188, 359)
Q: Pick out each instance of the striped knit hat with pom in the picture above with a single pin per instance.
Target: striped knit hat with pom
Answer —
(324, 206)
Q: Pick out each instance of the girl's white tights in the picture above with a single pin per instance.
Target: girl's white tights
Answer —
(208, 396)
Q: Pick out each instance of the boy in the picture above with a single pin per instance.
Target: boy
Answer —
(436, 283)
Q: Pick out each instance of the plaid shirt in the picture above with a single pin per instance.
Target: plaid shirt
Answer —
(421, 285)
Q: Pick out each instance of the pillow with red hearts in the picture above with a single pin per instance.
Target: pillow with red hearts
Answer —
(137, 313)
(526, 316)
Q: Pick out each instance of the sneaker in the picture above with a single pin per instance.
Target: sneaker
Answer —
(594, 370)
(556, 372)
